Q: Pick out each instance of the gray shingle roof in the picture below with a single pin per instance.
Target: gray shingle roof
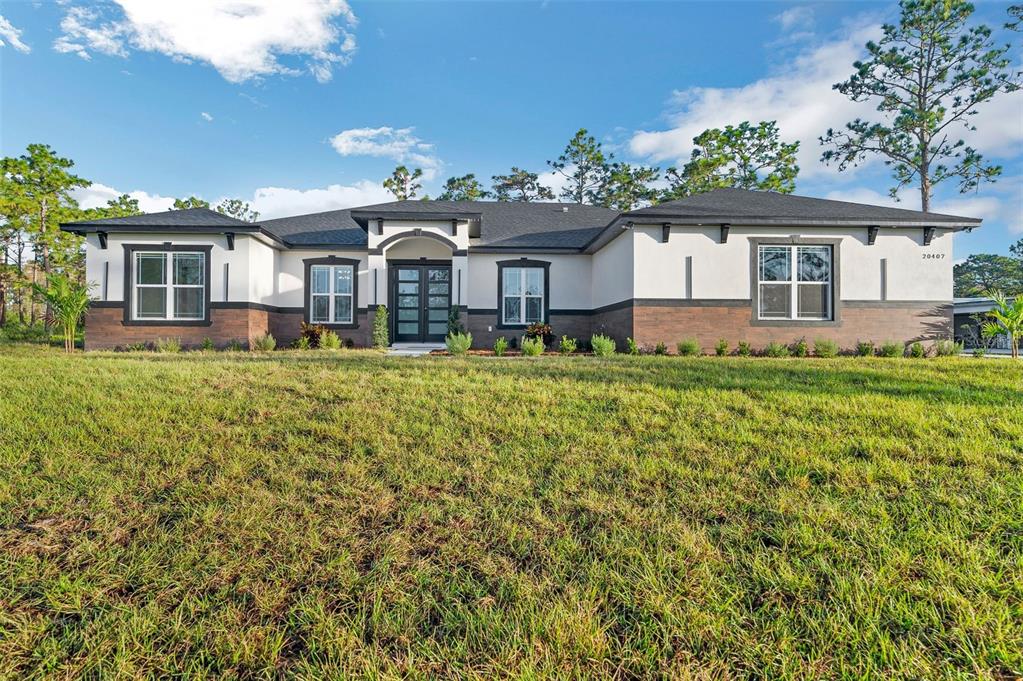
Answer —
(335, 227)
(191, 217)
(750, 207)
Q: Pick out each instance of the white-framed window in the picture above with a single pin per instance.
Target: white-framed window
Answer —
(795, 282)
(331, 294)
(522, 290)
(169, 285)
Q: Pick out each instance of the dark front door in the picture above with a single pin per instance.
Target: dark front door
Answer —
(420, 302)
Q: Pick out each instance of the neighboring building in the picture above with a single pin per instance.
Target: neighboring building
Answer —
(969, 314)
(733, 264)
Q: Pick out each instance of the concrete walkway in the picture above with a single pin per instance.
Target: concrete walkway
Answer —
(413, 349)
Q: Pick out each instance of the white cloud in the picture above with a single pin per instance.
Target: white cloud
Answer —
(276, 202)
(800, 16)
(12, 36)
(97, 195)
(206, 117)
(399, 144)
(242, 39)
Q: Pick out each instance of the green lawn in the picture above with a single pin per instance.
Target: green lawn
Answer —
(308, 514)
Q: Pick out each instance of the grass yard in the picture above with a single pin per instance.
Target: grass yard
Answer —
(315, 514)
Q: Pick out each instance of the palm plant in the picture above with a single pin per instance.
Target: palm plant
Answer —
(1007, 318)
(67, 300)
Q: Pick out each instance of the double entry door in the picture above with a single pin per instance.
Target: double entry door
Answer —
(420, 302)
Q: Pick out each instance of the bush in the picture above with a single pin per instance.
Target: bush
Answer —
(500, 346)
(567, 345)
(329, 340)
(800, 348)
(167, 345)
(688, 347)
(301, 343)
(865, 348)
(947, 348)
(892, 349)
(313, 333)
(207, 345)
(531, 347)
(381, 335)
(822, 347)
(774, 349)
(661, 348)
(603, 346)
(136, 347)
(458, 343)
(16, 331)
(541, 331)
(631, 347)
(916, 350)
(721, 347)
(235, 345)
(264, 343)
(744, 349)
(979, 352)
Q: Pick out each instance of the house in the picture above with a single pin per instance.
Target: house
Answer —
(968, 316)
(734, 264)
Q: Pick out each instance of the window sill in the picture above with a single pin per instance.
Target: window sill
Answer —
(166, 322)
(808, 323)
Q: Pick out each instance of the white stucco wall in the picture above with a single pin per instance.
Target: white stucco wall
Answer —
(569, 279)
(291, 275)
(438, 227)
(722, 271)
(613, 271)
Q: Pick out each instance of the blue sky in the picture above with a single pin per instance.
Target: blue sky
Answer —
(308, 105)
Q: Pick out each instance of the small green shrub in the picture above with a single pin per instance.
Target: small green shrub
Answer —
(531, 347)
(800, 348)
(603, 346)
(207, 345)
(455, 320)
(661, 348)
(381, 336)
(744, 349)
(329, 340)
(892, 349)
(136, 347)
(979, 352)
(542, 331)
(167, 345)
(458, 343)
(721, 347)
(567, 345)
(313, 333)
(823, 347)
(264, 343)
(917, 350)
(234, 345)
(631, 347)
(301, 343)
(500, 346)
(688, 347)
(775, 349)
(865, 348)
(947, 348)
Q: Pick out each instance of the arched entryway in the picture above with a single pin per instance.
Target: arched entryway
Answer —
(420, 287)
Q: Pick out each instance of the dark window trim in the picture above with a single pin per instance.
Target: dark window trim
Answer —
(307, 285)
(523, 262)
(129, 289)
(836, 299)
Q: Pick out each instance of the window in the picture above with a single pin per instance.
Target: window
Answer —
(522, 294)
(332, 294)
(169, 285)
(795, 282)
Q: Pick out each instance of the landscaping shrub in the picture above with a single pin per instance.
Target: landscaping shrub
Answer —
(381, 335)
(329, 340)
(455, 320)
(136, 347)
(264, 343)
(688, 347)
(744, 349)
(167, 345)
(541, 331)
(661, 348)
(775, 349)
(892, 349)
(234, 345)
(947, 348)
(917, 350)
(979, 352)
(458, 343)
(603, 346)
(18, 332)
(631, 347)
(313, 333)
(823, 347)
(207, 345)
(500, 346)
(800, 348)
(301, 343)
(567, 345)
(865, 348)
(531, 347)
(721, 347)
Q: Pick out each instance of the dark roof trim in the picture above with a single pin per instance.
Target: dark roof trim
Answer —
(86, 227)
(418, 216)
(747, 221)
